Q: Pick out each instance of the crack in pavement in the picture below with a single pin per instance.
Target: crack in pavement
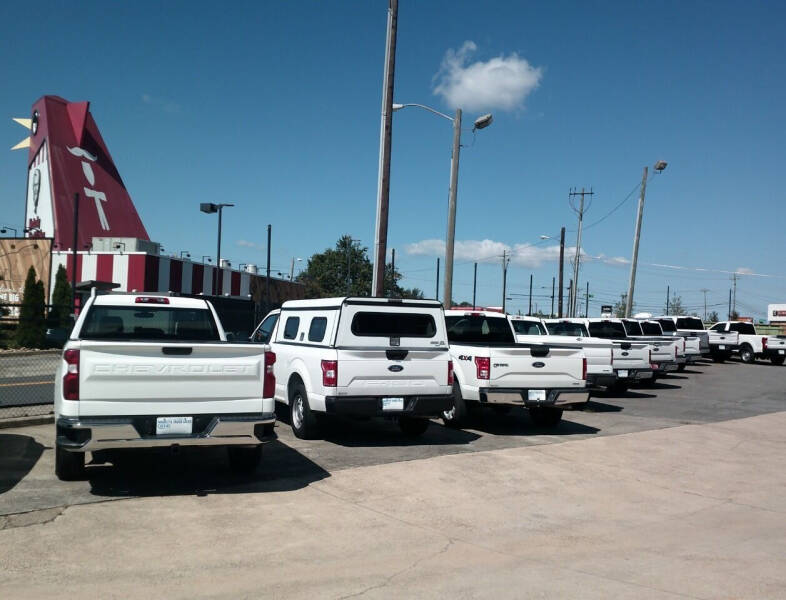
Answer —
(31, 518)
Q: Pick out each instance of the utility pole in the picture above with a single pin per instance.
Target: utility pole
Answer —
(267, 279)
(570, 295)
(529, 313)
(505, 260)
(385, 141)
(704, 291)
(577, 260)
(475, 286)
(734, 303)
(74, 255)
(729, 304)
(637, 235)
(561, 267)
(393, 269)
(586, 308)
(667, 299)
(436, 293)
(551, 314)
(450, 238)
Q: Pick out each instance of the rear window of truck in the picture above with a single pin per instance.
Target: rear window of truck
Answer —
(527, 327)
(479, 329)
(743, 328)
(651, 329)
(633, 328)
(689, 323)
(149, 323)
(667, 325)
(570, 329)
(393, 324)
(610, 330)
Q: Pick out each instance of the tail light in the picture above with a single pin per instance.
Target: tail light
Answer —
(450, 372)
(612, 357)
(764, 343)
(684, 345)
(584, 369)
(71, 377)
(483, 365)
(651, 365)
(330, 373)
(269, 380)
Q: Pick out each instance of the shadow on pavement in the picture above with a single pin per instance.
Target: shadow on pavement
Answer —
(518, 423)
(659, 385)
(18, 455)
(199, 471)
(373, 433)
(593, 406)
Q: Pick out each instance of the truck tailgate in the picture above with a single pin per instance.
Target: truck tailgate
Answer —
(631, 355)
(393, 372)
(136, 378)
(518, 368)
(723, 338)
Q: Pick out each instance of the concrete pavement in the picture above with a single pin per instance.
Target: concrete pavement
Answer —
(694, 511)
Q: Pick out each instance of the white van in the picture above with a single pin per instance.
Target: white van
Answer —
(360, 357)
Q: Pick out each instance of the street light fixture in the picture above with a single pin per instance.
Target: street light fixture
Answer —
(120, 246)
(210, 208)
(6, 228)
(292, 267)
(185, 253)
(208, 259)
(450, 239)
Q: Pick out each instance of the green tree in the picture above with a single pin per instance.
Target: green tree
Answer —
(713, 317)
(31, 328)
(620, 305)
(60, 313)
(675, 306)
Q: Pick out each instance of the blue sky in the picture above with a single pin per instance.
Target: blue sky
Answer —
(275, 107)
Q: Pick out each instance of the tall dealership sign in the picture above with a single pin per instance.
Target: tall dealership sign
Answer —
(68, 156)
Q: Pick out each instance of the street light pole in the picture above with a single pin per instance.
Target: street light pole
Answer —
(385, 141)
(450, 238)
(210, 207)
(637, 235)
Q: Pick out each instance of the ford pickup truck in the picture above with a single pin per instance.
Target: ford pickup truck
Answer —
(667, 352)
(491, 369)
(696, 344)
(631, 357)
(751, 344)
(145, 370)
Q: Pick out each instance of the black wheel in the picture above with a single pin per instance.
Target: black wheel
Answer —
(412, 427)
(544, 416)
(502, 409)
(69, 466)
(746, 354)
(244, 459)
(681, 367)
(303, 420)
(718, 358)
(458, 413)
(777, 360)
(620, 387)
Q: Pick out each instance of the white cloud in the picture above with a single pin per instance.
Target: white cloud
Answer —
(166, 105)
(247, 244)
(503, 82)
(744, 271)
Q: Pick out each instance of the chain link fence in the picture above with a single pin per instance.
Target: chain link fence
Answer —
(27, 382)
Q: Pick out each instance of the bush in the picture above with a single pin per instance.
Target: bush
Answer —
(31, 330)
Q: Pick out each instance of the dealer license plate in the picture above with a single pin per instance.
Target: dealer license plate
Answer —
(622, 373)
(536, 395)
(671, 367)
(174, 425)
(392, 403)
(643, 374)
(721, 347)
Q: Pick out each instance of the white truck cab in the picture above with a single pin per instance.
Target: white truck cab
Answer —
(753, 345)
(360, 357)
(493, 370)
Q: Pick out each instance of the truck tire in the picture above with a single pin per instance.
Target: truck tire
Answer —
(681, 367)
(619, 387)
(413, 427)
(244, 459)
(69, 466)
(303, 420)
(777, 360)
(458, 414)
(718, 357)
(544, 416)
(747, 355)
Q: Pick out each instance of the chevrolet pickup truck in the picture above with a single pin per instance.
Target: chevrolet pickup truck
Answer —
(666, 350)
(491, 369)
(599, 352)
(145, 370)
(753, 345)
(631, 357)
(360, 357)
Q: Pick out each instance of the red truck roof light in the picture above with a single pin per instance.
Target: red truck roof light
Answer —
(151, 300)
(71, 377)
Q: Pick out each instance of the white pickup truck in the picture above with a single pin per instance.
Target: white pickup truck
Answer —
(360, 357)
(143, 370)
(557, 332)
(631, 357)
(753, 345)
(491, 369)
(696, 343)
(666, 350)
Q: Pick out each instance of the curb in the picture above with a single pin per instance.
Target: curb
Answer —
(26, 421)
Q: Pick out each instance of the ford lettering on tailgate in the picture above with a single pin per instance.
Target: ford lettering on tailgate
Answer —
(159, 370)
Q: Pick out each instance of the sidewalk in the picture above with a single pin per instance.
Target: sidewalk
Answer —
(696, 511)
